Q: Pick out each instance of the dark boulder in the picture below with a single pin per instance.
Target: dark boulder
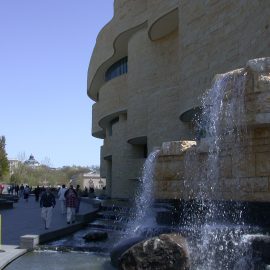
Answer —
(163, 252)
(123, 246)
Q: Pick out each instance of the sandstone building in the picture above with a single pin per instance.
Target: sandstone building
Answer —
(150, 66)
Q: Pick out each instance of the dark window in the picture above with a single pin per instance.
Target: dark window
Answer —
(117, 69)
(114, 121)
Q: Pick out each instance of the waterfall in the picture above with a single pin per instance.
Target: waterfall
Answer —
(143, 215)
(223, 125)
(223, 120)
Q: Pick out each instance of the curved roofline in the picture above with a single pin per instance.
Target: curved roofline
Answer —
(106, 119)
(157, 31)
(120, 51)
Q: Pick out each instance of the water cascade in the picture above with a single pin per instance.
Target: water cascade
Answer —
(223, 125)
(143, 216)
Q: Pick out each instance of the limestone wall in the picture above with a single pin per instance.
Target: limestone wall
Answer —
(217, 36)
(174, 49)
(243, 168)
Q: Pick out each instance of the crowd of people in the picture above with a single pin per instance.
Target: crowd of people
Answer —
(69, 199)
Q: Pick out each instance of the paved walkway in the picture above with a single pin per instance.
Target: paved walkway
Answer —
(25, 218)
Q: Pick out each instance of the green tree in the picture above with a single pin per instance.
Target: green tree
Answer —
(4, 164)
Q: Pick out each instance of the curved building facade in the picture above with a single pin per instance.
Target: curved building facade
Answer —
(150, 66)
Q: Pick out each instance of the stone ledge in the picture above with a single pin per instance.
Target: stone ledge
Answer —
(29, 241)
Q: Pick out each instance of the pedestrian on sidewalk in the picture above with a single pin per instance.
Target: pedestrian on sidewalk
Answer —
(17, 189)
(21, 190)
(26, 193)
(47, 203)
(62, 199)
(71, 204)
(37, 191)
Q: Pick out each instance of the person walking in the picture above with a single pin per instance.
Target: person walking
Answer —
(62, 199)
(26, 193)
(37, 191)
(71, 204)
(17, 188)
(21, 190)
(47, 203)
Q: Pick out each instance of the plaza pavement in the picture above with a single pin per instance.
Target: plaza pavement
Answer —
(25, 219)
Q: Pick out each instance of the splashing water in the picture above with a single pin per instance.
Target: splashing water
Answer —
(223, 124)
(143, 216)
(223, 121)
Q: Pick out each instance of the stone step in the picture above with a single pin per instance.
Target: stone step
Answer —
(107, 225)
(112, 215)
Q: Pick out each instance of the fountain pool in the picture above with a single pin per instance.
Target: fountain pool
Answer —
(43, 260)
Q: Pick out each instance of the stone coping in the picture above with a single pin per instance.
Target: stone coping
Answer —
(9, 254)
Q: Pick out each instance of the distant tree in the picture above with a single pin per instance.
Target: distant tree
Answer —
(74, 171)
(4, 163)
(95, 168)
(45, 175)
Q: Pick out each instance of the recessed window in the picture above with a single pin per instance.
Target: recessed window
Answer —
(114, 121)
(118, 68)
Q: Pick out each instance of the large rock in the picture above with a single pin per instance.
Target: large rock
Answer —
(166, 251)
(123, 246)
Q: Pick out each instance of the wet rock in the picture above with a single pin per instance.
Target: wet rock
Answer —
(123, 246)
(95, 236)
(166, 251)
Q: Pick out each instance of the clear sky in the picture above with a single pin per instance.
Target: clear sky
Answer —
(45, 49)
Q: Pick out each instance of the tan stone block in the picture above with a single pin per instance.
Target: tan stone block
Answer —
(162, 186)
(261, 132)
(229, 184)
(160, 195)
(170, 195)
(243, 164)
(175, 186)
(262, 118)
(246, 185)
(263, 164)
(261, 148)
(260, 184)
(259, 65)
(171, 169)
(263, 83)
(260, 196)
(229, 196)
(225, 167)
(262, 102)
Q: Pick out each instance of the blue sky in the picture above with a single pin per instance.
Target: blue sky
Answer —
(45, 50)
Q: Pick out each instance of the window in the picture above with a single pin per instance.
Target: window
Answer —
(117, 69)
(114, 121)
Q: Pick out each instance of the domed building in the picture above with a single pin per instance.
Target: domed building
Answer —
(32, 162)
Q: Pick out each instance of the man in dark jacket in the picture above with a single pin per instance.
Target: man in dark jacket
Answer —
(47, 203)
